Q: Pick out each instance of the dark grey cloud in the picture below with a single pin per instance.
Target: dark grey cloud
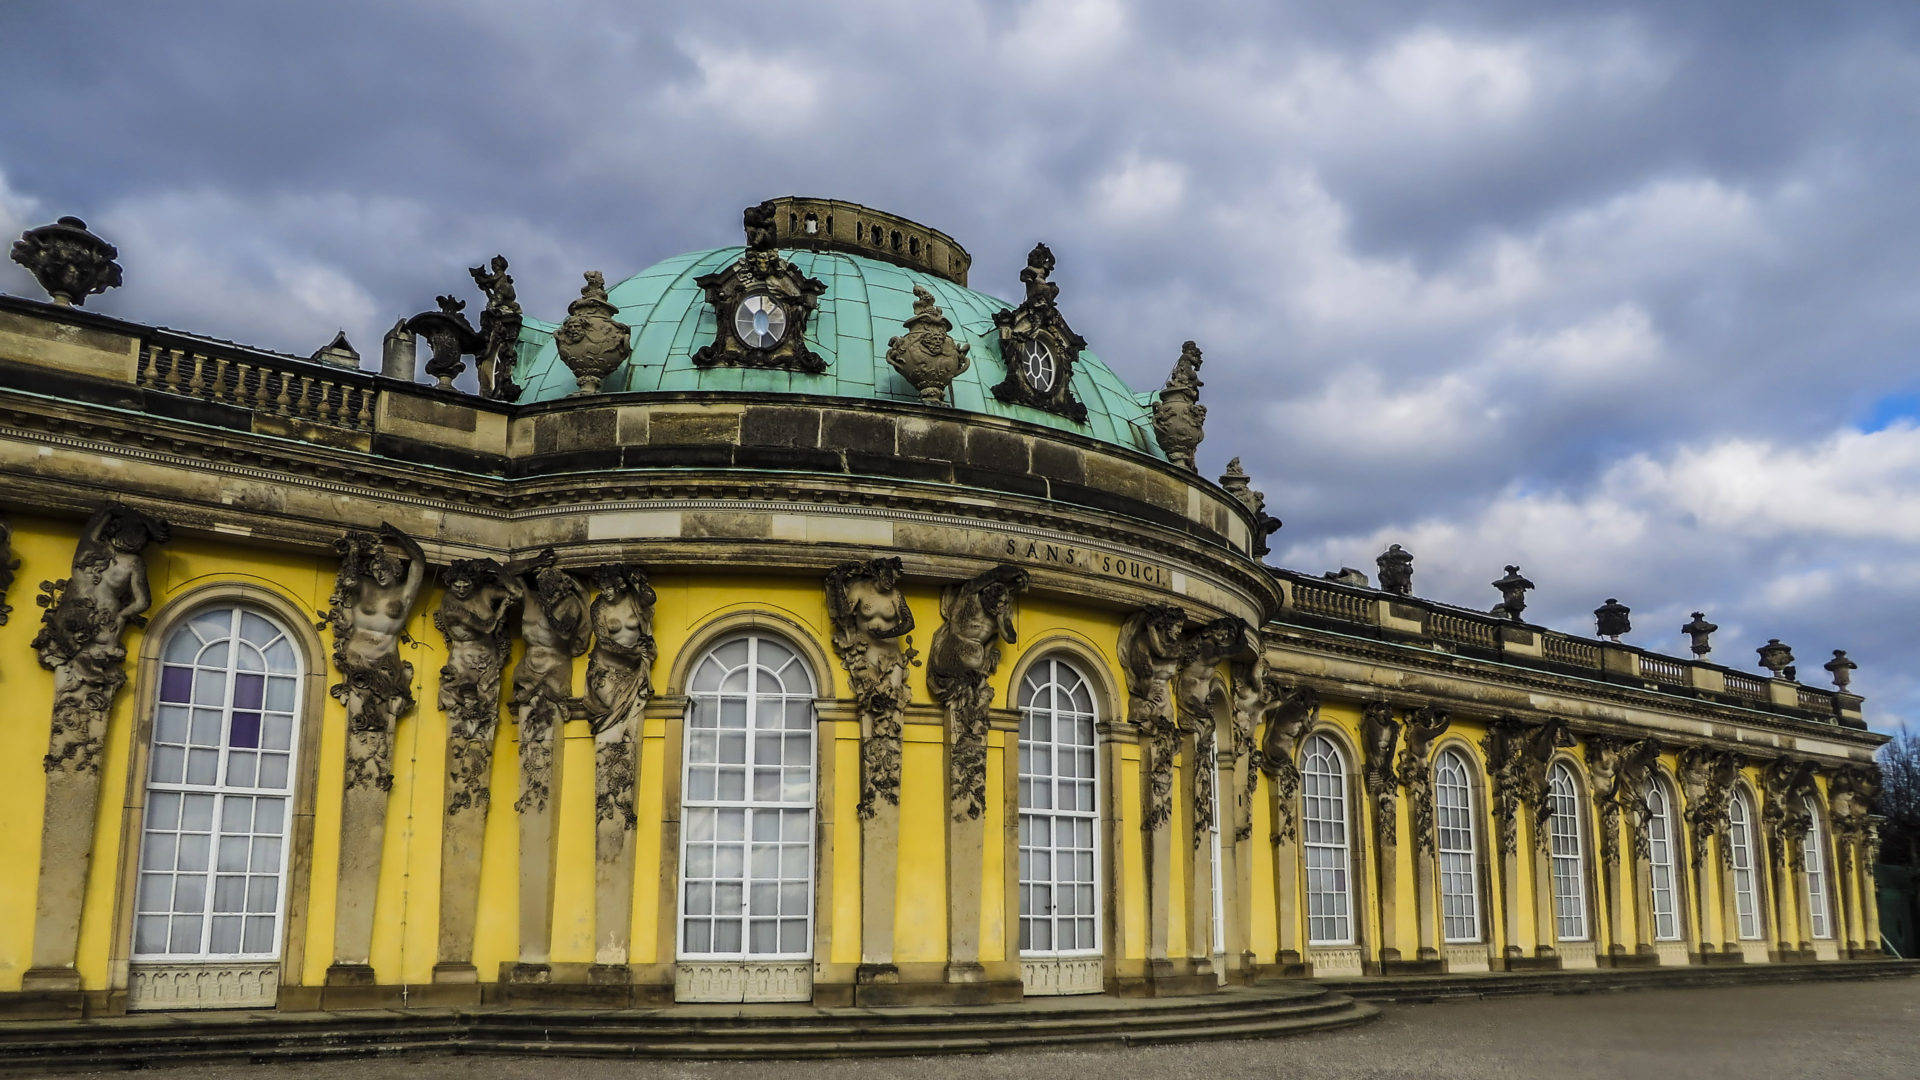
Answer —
(1609, 289)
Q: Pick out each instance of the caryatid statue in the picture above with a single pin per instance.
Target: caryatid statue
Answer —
(553, 629)
(372, 599)
(976, 617)
(83, 619)
(1289, 712)
(1150, 654)
(1198, 689)
(619, 684)
(473, 619)
(871, 623)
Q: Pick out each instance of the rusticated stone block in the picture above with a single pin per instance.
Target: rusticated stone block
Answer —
(857, 431)
(997, 451)
(777, 425)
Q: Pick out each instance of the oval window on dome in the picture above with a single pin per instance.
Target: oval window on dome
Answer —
(759, 321)
(1041, 367)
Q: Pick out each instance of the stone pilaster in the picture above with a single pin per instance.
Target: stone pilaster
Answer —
(541, 728)
(1198, 748)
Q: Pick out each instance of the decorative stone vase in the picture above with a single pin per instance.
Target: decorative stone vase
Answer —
(590, 341)
(68, 261)
(926, 355)
(1775, 656)
(1179, 420)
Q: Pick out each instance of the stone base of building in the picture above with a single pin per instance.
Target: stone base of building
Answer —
(1624, 959)
(1183, 977)
(1548, 962)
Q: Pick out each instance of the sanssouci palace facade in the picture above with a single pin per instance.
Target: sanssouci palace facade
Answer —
(788, 622)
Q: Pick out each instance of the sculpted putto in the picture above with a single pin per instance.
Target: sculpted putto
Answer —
(871, 624)
(84, 618)
(373, 596)
(976, 617)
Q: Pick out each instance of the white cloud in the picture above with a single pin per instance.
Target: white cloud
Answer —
(1140, 191)
(768, 95)
(1052, 39)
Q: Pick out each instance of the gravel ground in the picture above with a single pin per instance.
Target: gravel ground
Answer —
(1856, 1030)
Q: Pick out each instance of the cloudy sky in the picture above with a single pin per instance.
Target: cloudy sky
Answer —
(1629, 295)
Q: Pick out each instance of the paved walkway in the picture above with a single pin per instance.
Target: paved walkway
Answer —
(1856, 1030)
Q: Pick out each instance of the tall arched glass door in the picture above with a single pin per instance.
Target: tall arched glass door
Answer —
(1456, 840)
(747, 804)
(1663, 876)
(1746, 898)
(213, 845)
(1819, 913)
(1329, 858)
(1059, 813)
(1566, 837)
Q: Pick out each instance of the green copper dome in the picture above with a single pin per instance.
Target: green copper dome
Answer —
(864, 306)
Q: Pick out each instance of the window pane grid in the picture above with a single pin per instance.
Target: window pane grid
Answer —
(1816, 869)
(1059, 813)
(213, 851)
(1323, 818)
(746, 856)
(1660, 859)
(1569, 863)
(1455, 840)
(1740, 855)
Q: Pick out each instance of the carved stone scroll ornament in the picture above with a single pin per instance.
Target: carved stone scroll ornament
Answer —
(373, 596)
(1239, 485)
(500, 321)
(1706, 782)
(1038, 347)
(1379, 732)
(927, 354)
(473, 619)
(1290, 711)
(1198, 691)
(1151, 652)
(1179, 420)
(976, 616)
(871, 627)
(553, 630)
(619, 685)
(761, 306)
(1421, 728)
(83, 619)
(69, 262)
(591, 342)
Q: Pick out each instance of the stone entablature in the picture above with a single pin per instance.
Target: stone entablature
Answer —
(1419, 628)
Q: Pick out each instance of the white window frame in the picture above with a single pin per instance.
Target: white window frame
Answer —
(1566, 836)
(1663, 868)
(221, 790)
(1746, 901)
(1466, 827)
(1029, 683)
(756, 700)
(1334, 845)
(1819, 907)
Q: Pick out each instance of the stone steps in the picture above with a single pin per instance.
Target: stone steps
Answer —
(714, 1032)
(1417, 988)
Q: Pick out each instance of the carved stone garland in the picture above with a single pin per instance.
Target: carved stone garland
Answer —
(761, 306)
(976, 616)
(1151, 653)
(1038, 347)
(871, 623)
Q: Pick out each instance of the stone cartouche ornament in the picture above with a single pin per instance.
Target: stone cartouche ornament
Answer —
(591, 343)
(68, 261)
(927, 355)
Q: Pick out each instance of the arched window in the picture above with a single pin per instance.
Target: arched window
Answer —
(1569, 861)
(1661, 863)
(1816, 856)
(1456, 839)
(1323, 828)
(1746, 904)
(746, 848)
(1059, 812)
(213, 850)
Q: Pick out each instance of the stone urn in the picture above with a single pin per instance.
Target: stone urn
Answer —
(1179, 420)
(68, 261)
(591, 342)
(927, 355)
(1775, 657)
